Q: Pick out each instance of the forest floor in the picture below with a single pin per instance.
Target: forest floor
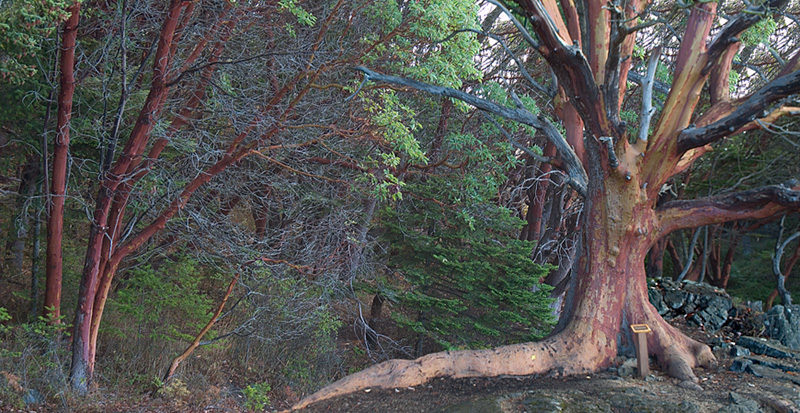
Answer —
(719, 390)
(609, 391)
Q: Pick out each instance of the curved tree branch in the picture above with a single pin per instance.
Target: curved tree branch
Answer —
(744, 20)
(571, 68)
(577, 175)
(751, 204)
(754, 107)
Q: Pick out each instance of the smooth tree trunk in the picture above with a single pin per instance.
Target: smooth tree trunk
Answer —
(55, 216)
(82, 368)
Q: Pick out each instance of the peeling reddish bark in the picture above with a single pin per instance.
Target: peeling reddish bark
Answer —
(55, 220)
(105, 252)
(83, 348)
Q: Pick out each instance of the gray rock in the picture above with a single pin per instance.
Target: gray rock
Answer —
(737, 351)
(740, 404)
(690, 385)
(770, 373)
(628, 368)
(774, 363)
(783, 324)
(674, 299)
(689, 407)
(740, 365)
(708, 307)
(657, 299)
(757, 306)
(767, 348)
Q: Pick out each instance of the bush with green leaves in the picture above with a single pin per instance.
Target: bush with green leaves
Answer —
(256, 396)
(460, 276)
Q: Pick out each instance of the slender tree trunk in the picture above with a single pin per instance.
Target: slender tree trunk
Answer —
(55, 222)
(29, 176)
(82, 368)
(36, 259)
(536, 199)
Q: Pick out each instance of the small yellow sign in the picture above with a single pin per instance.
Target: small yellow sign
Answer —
(641, 328)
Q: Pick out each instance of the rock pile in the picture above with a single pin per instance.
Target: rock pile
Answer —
(783, 324)
(701, 304)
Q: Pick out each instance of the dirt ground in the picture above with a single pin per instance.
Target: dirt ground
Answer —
(721, 390)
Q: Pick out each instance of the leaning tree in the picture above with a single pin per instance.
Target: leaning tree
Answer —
(588, 45)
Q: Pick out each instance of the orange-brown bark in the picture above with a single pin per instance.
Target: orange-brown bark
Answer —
(55, 220)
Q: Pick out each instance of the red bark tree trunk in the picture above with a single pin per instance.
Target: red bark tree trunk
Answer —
(55, 220)
(82, 368)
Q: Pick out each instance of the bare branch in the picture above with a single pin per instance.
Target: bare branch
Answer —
(525, 35)
(756, 106)
(647, 94)
(577, 175)
(551, 92)
(776, 263)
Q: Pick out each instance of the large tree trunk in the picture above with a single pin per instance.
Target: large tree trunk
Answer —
(608, 294)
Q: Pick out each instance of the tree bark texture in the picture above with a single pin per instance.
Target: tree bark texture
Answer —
(55, 220)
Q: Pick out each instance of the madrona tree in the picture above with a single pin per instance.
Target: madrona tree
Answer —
(188, 113)
(588, 45)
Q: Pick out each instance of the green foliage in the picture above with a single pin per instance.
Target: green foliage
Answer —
(256, 396)
(414, 52)
(760, 32)
(464, 280)
(397, 123)
(24, 25)
(303, 17)
(4, 330)
(168, 304)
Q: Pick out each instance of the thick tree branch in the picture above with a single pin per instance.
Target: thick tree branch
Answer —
(756, 106)
(751, 204)
(571, 68)
(727, 36)
(574, 169)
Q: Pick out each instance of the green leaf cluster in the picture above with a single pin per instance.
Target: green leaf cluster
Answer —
(24, 25)
(418, 50)
(154, 298)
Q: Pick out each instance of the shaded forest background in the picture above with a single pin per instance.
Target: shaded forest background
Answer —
(322, 223)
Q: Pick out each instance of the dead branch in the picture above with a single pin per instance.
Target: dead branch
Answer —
(578, 178)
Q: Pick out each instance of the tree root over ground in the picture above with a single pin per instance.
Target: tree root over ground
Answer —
(570, 352)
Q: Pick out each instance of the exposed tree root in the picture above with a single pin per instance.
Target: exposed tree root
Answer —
(566, 353)
(676, 353)
(578, 349)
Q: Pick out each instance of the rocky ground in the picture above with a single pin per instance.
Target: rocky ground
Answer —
(753, 374)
